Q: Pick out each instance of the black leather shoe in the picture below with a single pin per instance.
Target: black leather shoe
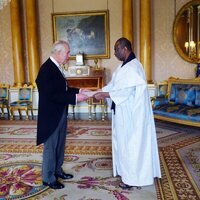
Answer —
(125, 186)
(55, 185)
(64, 176)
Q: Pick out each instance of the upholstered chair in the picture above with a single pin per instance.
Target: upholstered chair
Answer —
(4, 95)
(24, 102)
(162, 93)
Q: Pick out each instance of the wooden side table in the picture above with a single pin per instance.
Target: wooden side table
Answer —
(93, 81)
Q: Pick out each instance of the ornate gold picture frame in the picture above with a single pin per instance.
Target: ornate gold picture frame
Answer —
(86, 32)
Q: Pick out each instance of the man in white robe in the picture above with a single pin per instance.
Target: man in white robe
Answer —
(134, 143)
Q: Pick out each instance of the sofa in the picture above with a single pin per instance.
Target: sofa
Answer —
(178, 101)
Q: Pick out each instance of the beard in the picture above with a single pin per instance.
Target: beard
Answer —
(120, 57)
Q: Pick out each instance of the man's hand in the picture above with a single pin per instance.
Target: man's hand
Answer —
(101, 95)
(81, 97)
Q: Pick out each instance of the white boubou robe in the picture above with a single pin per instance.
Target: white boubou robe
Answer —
(134, 142)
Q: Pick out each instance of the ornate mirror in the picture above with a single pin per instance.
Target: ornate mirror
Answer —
(186, 32)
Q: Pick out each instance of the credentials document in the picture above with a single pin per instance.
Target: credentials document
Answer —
(90, 93)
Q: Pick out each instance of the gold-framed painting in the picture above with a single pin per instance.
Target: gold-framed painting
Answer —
(86, 32)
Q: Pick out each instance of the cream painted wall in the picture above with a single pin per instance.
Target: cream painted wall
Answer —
(6, 64)
(165, 60)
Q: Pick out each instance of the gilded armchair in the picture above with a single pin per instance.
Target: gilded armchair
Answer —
(24, 102)
(4, 95)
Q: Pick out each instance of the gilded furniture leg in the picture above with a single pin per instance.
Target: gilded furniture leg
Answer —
(32, 113)
(20, 113)
(94, 109)
(2, 111)
(8, 110)
(26, 110)
(89, 108)
(90, 111)
(102, 111)
(11, 114)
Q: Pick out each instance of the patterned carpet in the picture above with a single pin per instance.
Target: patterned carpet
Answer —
(88, 157)
(180, 162)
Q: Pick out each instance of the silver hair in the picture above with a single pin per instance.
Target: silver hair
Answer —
(58, 46)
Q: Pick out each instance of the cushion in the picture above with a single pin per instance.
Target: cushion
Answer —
(160, 101)
(25, 94)
(185, 96)
(178, 111)
(3, 92)
(172, 95)
(21, 103)
(162, 90)
(197, 98)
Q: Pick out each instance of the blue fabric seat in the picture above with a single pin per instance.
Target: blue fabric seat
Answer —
(178, 111)
(181, 103)
(21, 103)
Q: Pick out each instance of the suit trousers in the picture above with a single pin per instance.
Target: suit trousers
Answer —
(54, 150)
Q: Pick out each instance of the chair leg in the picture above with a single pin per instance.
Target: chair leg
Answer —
(103, 112)
(8, 112)
(32, 114)
(2, 110)
(20, 113)
(26, 114)
(90, 111)
(11, 114)
(94, 109)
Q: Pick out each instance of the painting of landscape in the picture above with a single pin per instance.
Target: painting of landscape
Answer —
(87, 33)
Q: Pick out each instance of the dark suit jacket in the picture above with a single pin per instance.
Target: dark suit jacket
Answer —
(53, 99)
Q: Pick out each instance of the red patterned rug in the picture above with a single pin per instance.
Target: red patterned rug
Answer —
(88, 157)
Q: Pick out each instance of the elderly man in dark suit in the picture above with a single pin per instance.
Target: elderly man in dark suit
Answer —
(54, 98)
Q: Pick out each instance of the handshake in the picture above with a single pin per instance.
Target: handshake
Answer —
(85, 94)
